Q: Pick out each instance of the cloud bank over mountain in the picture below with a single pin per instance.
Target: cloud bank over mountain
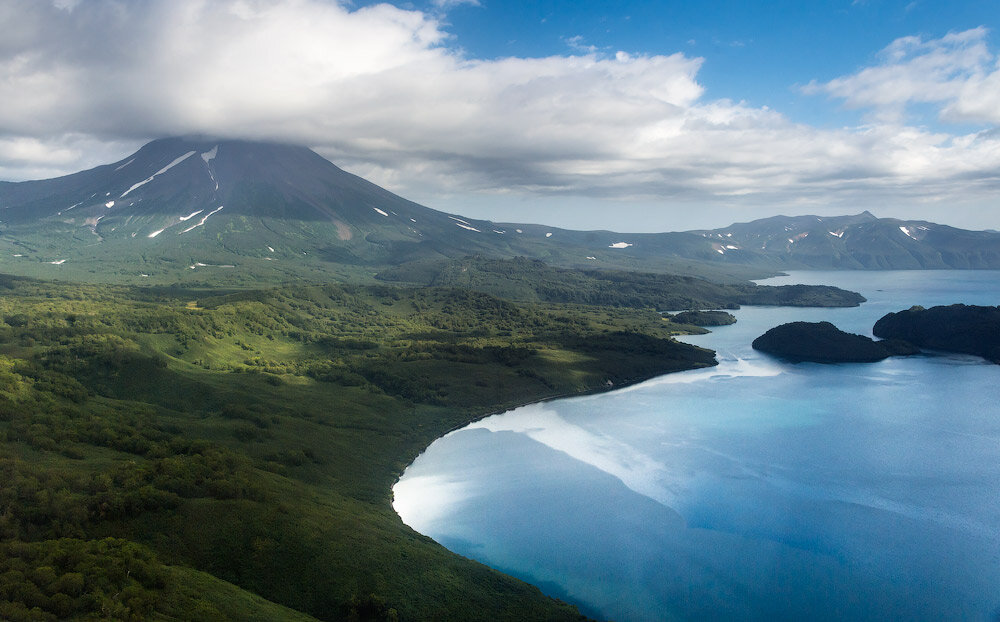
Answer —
(389, 94)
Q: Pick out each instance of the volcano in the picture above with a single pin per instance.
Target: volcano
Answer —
(183, 206)
(240, 212)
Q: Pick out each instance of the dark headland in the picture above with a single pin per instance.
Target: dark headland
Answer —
(966, 329)
(822, 342)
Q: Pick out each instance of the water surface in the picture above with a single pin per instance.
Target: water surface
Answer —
(757, 489)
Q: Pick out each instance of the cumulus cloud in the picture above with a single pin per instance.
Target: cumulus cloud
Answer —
(383, 91)
(958, 72)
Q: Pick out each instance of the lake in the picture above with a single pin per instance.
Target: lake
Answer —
(757, 489)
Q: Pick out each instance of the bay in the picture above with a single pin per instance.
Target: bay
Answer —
(757, 489)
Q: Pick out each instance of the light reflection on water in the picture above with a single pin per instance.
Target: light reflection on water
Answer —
(753, 490)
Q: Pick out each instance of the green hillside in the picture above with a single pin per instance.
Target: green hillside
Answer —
(169, 454)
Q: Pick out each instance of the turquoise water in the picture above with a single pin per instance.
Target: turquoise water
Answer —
(757, 489)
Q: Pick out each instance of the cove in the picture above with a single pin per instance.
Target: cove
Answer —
(757, 489)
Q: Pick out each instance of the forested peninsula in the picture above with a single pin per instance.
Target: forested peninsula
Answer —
(172, 453)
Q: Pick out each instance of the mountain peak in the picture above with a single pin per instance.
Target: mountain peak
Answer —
(200, 200)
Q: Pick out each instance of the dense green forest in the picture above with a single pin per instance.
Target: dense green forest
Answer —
(178, 454)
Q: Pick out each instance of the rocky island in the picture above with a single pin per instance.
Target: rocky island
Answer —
(822, 342)
(966, 329)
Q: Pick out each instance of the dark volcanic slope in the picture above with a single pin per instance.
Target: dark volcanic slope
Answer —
(251, 197)
(266, 211)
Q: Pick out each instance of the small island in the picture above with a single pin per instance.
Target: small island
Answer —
(822, 342)
(704, 318)
(965, 329)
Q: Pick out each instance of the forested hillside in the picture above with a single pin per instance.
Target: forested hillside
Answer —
(172, 454)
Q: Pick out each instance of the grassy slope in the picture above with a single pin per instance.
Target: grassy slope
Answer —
(243, 447)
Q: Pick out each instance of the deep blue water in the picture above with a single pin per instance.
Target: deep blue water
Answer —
(758, 489)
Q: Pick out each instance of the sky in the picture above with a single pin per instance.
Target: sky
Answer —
(630, 115)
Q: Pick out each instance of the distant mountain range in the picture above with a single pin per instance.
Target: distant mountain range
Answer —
(247, 212)
(856, 242)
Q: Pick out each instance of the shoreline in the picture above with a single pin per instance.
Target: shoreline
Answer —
(527, 509)
(592, 391)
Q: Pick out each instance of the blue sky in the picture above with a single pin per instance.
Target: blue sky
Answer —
(758, 52)
(639, 116)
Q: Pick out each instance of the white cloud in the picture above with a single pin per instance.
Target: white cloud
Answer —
(579, 45)
(957, 72)
(380, 90)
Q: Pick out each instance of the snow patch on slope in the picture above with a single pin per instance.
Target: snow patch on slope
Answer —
(208, 156)
(179, 219)
(202, 221)
(159, 172)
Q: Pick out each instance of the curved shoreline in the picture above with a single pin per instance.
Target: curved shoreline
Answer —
(452, 510)
(560, 396)
(592, 391)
